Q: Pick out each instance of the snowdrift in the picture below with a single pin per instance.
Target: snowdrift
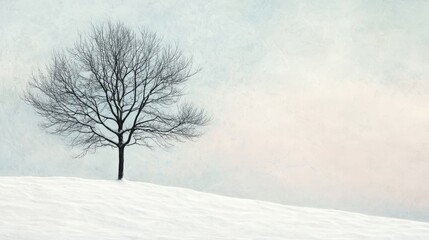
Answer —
(72, 208)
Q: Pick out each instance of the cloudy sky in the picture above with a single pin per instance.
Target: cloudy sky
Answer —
(314, 103)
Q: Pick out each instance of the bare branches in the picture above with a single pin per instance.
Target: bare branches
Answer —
(116, 88)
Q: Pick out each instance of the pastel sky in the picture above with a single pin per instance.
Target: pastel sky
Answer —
(314, 103)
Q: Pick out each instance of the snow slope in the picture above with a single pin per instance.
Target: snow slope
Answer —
(72, 208)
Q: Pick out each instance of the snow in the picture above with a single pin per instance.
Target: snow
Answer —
(73, 208)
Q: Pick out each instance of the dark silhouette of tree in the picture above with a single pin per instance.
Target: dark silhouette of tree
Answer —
(116, 87)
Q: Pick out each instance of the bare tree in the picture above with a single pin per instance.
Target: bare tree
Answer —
(117, 88)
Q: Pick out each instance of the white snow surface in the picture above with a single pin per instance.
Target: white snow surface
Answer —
(73, 208)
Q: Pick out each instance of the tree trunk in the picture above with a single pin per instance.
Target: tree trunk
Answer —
(121, 163)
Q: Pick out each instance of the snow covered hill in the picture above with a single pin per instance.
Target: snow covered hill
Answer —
(72, 208)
